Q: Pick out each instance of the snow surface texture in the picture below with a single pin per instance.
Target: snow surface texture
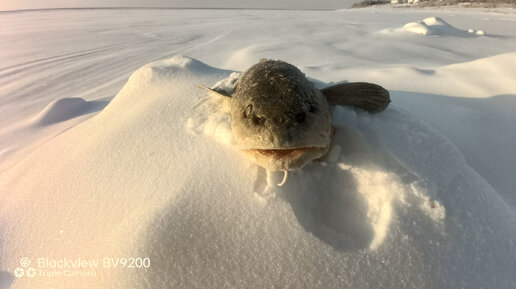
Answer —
(401, 201)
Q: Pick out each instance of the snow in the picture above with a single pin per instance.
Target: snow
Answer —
(435, 26)
(418, 196)
(64, 109)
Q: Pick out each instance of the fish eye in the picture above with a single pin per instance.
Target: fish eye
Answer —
(248, 111)
(313, 109)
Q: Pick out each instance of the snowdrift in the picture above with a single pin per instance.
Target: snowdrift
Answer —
(438, 27)
(155, 175)
(64, 109)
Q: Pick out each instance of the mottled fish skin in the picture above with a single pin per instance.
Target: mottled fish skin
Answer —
(275, 107)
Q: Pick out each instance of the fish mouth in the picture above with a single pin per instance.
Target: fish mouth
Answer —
(284, 153)
(287, 159)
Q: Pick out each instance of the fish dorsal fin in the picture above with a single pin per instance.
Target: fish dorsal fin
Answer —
(367, 96)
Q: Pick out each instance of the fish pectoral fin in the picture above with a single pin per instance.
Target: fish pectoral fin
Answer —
(367, 96)
(218, 92)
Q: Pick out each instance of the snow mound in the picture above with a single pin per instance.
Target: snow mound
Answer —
(155, 174)
(355, 206)
(436, 26)
(355, 203)
(65, 109)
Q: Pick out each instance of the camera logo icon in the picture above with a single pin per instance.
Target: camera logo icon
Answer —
(31, 272)
(25, 262)
(28, 272)
(19, 272)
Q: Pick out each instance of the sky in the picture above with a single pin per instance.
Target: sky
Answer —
(286, 4)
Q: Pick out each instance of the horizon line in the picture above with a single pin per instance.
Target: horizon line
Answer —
(163, 8)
